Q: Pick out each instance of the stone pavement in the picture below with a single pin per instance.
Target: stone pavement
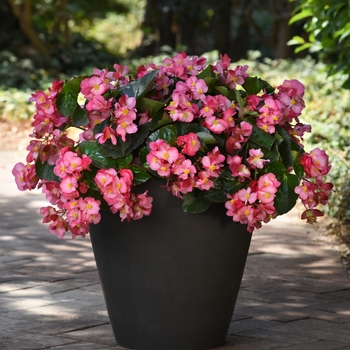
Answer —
(295, 293)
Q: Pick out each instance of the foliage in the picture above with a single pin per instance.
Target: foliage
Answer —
(328, 110)
(77, 35)
(327, 24)
(213, 133)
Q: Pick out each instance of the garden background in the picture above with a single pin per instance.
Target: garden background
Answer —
(42, 40)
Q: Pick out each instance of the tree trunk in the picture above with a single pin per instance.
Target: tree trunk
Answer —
(222, 26)
(23, 12)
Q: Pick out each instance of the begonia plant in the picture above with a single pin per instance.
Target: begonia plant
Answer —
(214, 133)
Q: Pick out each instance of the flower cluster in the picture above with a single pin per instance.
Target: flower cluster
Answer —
(116, 191)
(212, 132)
(313, 189)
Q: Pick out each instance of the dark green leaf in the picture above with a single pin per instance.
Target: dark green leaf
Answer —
(285, 197)
(252, 85)
(80, 116)
(146, 104)
(286, 154)
(215, 195)
(118, 150)
(239, 98)
(267, 87)
(272, 154)
(140, 175)
(142, 155)
(45, 171)
(167, 133)
(207, 72)
(260, 137)
(66, 100)
(276, 168)
(95, 152)
(207, 137)
(138, 138)
(222, 90)
(139, 87)
(124, 162)
(194, 202)
(159, 119)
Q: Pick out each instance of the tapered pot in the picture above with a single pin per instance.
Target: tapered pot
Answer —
(170, 280)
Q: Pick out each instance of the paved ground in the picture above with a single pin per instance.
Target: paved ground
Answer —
(295, 293)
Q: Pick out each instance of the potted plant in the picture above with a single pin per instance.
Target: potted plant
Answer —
(180, 138)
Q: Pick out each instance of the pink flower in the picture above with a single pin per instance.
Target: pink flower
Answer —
(255, 160)
(213, 162)
(315, 163)
(142, 205)
(184, 170)
(25, 176)
(93, 86)
(125, 107)
(238, 169)
(68, 184)
(107, 134)
(204, 181)
(190, 143)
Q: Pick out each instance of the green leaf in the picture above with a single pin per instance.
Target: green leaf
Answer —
(139, 87)
(66, 100)
(301, 15)
(159, 119)
(194, 202)
(285, 197)
(140, 175)
(79, 116)
(124, 148)
(207, 138)
(285, 147)
(296, 40)
(167, 133)
(261, 137)
(207, 72)
(95, 151)
(222, 90)
(138, 138)
(303, 47)
(239, 98)
(276, 168)
(45, 171)
(146, 104)
(124, 162)
(143, 154)
(252, 85)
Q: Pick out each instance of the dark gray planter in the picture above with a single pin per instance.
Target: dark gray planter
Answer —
(170, 280)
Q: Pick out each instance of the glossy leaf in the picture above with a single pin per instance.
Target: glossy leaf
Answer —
(146, 104)
(124, 162)
(80, 116)
(167, 133)
(95, 152)
(45, 171)
(252, 85)
(285, 197)
(194, 202)
(207, 138)
(140, 175)
(260, 137)
(66, 100)
(138, 88)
